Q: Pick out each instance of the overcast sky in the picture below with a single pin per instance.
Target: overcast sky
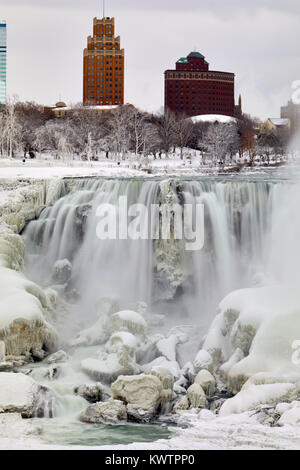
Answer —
(258, 40)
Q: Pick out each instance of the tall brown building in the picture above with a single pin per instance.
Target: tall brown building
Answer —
(192, 89)
(103, 66)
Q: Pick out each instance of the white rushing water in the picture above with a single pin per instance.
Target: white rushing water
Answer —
(237, 218)
(186, 286)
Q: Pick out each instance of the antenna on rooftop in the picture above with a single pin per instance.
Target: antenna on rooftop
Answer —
(103, 8)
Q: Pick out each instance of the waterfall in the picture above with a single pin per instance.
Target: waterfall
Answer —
(238, 216)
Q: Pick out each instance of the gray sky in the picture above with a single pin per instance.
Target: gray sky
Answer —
(258, 40)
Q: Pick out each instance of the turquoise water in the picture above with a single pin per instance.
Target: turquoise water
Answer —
(61, 432)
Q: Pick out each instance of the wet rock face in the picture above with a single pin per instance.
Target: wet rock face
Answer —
(81, 217)
(110, 412)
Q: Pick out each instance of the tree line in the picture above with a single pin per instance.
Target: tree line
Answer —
(125, 132)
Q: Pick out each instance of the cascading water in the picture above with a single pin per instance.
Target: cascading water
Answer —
(237, 216)
(185, 286)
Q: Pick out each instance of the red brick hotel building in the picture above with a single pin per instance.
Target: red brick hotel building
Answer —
(192, 89)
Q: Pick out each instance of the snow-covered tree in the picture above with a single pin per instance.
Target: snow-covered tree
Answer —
(220, 141)
(183, 130)
(166, 125)
(11, 130)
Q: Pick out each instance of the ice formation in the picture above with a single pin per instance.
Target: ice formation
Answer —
(254, 333)
(24, 307)
(21, 394)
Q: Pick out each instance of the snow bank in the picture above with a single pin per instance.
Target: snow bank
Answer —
(250, 397)
(23, 305)
(255, 333)
(53, 169)
(20, 394)
(213, 118)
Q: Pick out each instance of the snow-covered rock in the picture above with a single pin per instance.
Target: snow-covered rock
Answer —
(236, 357)
(196, 396)
(19, 393)
(95, 335)
(129, 321)
(109, 412)
(23, 326)
(62, 271)
(291, 414)
(122, 340)
(59, 356)
(142, 392)
(251, 396)
(23, 305)
(171, 366)
(109, 366)
(255, 333)
(282, 408)
(203, 360)
(206, 380)
(165, 376)
(101, 330)
(91, 392)
(182, 404)
(147, 350)
(188, 371)
(167, 347)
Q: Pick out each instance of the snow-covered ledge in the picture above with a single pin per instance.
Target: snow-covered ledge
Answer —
(24, 306)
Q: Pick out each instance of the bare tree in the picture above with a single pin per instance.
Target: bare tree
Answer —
(11, 129)
(183, 132)
(166, 125)
(30, 117)
(220, 141)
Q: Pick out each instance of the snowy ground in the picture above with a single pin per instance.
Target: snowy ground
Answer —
(47, 167)
(55, 169)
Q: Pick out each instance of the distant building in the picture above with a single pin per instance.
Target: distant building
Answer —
(103, 66)
(3, 54)
(60, 109)
(238, 110)
(275, 126)
(192, 89)
(292, 112)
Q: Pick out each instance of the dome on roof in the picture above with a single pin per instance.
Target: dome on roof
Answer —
(61, 104)
(196, 55)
